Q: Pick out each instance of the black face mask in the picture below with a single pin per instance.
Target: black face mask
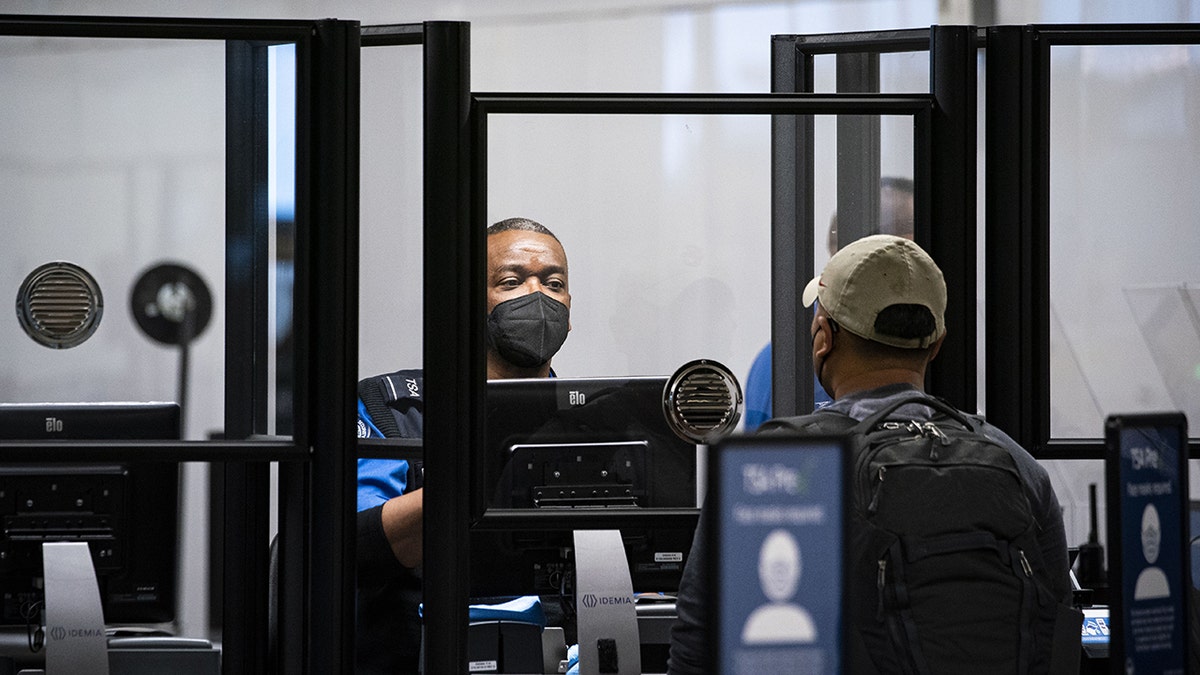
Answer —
(528, 331)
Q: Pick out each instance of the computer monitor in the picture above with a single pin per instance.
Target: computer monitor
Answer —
(560, 444)
(127, 512)
(610, 434)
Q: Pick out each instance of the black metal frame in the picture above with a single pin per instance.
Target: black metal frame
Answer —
(1018, 223)
(316, 465)
(946, 160)
(453, 342)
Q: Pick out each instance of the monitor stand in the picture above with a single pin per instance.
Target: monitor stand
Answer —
(607, 617)
(75, 637)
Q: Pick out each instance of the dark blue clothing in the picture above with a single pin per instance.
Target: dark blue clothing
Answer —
(388, 628)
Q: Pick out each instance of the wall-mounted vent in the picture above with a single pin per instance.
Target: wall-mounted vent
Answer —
(59, 305)
(702, 401)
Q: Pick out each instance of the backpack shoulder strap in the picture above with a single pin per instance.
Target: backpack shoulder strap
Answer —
(939, 405)
(820, 422)
(828, 421)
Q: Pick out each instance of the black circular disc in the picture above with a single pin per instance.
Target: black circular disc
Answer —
(171, 303)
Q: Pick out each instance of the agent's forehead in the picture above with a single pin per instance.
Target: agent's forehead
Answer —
(520, 248)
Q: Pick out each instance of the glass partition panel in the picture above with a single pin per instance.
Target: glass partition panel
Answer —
(115, 203)
(898, 72)
(113, 158)
(1125, 188)
(392, 211)
(665, 220)
(115, 163)
(904, 72)
(891, 212)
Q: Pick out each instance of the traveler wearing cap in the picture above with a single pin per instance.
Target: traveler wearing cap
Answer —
(878, 324)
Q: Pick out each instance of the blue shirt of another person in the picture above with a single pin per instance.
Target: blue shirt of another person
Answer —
(758, 391)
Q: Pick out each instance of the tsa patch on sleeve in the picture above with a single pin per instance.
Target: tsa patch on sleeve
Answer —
(362, 429)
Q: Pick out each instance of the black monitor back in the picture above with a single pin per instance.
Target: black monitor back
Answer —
(588, 421)
(126, 512)
(591, 443)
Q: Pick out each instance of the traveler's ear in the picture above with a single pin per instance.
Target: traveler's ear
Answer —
(937, 347)
(824, 328)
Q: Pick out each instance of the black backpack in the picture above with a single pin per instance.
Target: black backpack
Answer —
(943, 563)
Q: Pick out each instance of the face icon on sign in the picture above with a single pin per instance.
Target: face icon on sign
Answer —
(1151, 583)
(779, 566)
(780, 621)
(1151, 534)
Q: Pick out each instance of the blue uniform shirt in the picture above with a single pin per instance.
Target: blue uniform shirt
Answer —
(378, 479)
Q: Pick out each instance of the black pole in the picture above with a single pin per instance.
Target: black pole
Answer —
(185, 353)
(330, 189)
(453, 339)
(246, 484)
(792, 160)
(953, 77)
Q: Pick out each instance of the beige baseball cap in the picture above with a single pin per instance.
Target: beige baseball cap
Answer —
(875, 272)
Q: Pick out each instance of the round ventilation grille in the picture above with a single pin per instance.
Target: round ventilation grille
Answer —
(59, 305)
(702, 401)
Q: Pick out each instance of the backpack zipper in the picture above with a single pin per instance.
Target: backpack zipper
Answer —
(874, 505)
(931, 430)
(880, 581)
(922, 429)
(1025, 566)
